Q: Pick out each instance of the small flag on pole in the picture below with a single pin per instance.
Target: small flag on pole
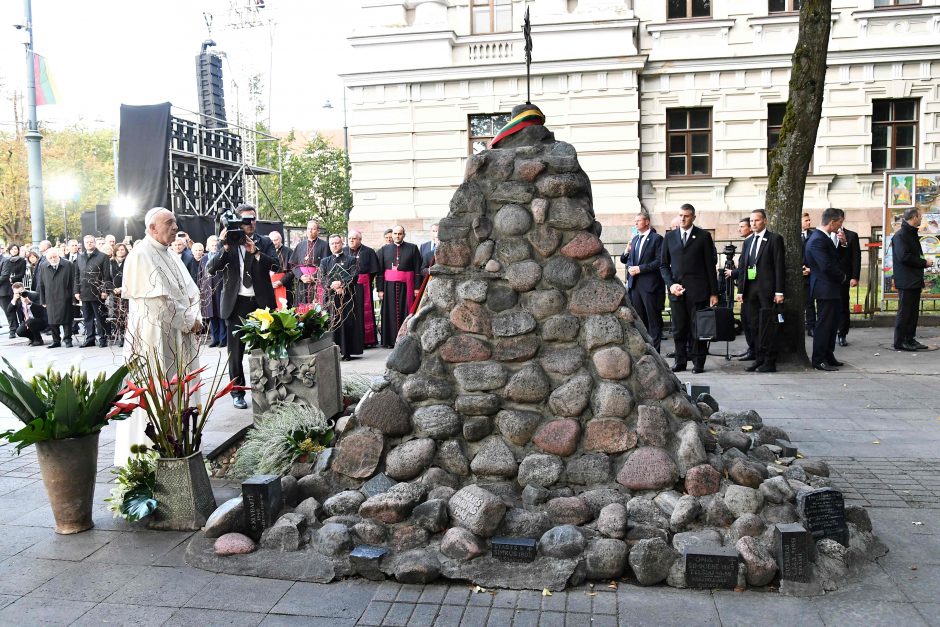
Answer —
(45, 86)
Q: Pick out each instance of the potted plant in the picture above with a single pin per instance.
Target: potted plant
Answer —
(175, 422)
(64, 414)
(280, 334)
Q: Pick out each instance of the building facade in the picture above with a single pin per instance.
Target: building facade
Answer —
(666, 101)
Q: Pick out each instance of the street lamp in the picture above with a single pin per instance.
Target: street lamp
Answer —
(64, 189)
(124, 207)
(329, 105)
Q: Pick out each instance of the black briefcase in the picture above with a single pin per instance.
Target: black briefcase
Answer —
(715, 324)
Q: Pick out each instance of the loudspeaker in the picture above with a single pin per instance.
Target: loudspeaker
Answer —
(210, 90)
(88, 225)
(103, 220)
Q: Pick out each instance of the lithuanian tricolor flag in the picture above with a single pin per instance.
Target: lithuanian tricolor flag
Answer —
(45, 86)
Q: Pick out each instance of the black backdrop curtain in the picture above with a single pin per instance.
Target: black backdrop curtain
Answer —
(143, 169)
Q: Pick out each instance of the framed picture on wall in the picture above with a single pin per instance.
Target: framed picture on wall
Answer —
(901, 190)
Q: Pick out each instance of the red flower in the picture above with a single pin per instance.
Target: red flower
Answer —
(195, 373)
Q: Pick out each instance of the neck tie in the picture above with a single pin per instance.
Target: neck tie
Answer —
(639, 247)
(246, 274)
(754, 249)
(685, 237)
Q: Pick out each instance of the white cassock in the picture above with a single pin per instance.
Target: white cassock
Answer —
(163, 306)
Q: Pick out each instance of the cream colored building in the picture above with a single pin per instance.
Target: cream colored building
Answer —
(666, 101)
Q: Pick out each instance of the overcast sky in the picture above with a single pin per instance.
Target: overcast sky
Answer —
(103, 53)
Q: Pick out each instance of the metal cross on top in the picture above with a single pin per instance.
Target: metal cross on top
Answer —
(527, 33)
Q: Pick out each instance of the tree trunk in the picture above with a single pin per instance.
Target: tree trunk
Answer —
(790, 160)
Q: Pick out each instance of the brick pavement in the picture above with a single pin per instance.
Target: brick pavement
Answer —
(122, 574)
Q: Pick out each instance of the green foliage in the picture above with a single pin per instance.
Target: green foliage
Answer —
(132, 497)
(355, 385)
(280, 437)
(315, 322)
(271, 331)
(57, 406)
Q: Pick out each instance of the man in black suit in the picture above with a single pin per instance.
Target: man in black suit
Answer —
(688, 268)
(825, 280)
(744, 230)
(761, 279)
(909, 264)
(29, 315)
(809, 310)
(428, 249)
(246, 286)
(850, 256)
(644, 281)
(90, 272)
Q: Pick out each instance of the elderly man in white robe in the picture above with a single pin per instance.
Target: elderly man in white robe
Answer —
(163, 319)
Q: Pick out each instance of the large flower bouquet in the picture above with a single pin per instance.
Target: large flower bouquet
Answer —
(175, 416)
(274, 331)
(60, 405)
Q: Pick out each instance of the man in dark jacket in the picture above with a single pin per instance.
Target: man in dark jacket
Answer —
(688, 268)
(57, 291)
(850, 256)
(29, 315)
(339, 274)
(90, 275)
(909, 264)
(761, 275)
(825, 280)
(644, 280)
(246, 286)
(809, 311)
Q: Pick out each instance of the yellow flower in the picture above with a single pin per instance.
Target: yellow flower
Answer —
(264, 317)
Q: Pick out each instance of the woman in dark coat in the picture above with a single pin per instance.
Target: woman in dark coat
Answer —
(114, 280)
(11, 271)
(31, 278)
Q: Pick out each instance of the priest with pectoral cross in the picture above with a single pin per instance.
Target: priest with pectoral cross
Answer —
(339, 274)
(399, 265)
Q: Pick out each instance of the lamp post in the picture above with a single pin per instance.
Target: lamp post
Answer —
(64, 189)
(124, 207)
(329, 105)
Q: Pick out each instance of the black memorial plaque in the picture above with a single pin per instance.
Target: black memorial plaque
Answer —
(694, 390)
(711, 567)
(793, 544)
(262, 499)
(513, 549)
(823, 514)
(786, 448)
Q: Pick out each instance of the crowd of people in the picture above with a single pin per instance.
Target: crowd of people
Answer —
(682, 264)
(48, 289)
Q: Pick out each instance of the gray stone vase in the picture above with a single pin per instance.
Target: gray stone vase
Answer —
(68, 470)
(309, 375)
(183, 493)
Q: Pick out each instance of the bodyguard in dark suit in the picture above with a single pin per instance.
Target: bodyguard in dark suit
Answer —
(810, 306)
(246, 286)
(850, 257)
(761, 280)
(744, 230)
(28, 315)
(825, 281)
(91, 270)
(644, 281)
(909, 264)
(688, 269)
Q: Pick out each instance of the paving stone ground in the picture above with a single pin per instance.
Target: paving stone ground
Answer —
(877, 422)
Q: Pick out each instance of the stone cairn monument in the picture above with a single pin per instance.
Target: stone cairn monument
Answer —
(527, 435)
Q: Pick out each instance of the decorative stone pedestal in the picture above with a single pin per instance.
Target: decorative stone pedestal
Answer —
(310, 374)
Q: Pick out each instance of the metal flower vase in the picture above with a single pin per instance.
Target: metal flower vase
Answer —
(183, 493)
(68, 470)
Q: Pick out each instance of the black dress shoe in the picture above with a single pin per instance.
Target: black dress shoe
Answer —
(54, 345)
(753, 367)
(918, 345)
(747, 357)
(68, 343)
(834, 363)
(825, 367)
(239, 402)
(213, 344)
(36, 343)
(841, 340)
(102, 343)
(678, 368)
(87, 343)
(906, 346)
(768, 367)
(671, 355)
(698, 369)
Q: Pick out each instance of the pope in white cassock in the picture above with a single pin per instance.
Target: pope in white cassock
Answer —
(163, 319)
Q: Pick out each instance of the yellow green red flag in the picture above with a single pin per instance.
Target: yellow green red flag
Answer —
(45, 86)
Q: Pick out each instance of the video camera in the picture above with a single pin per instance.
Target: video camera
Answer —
(232, 223)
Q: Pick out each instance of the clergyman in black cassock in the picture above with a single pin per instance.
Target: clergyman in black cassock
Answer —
(305, 263)
(339, 274)
(399, 268)
(367, 263)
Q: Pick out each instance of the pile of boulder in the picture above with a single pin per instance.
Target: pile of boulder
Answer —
(526, 434)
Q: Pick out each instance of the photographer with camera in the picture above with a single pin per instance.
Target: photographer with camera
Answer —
(28, 315)
(246, 260)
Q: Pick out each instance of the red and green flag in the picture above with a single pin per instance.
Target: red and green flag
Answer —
(45, 86)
